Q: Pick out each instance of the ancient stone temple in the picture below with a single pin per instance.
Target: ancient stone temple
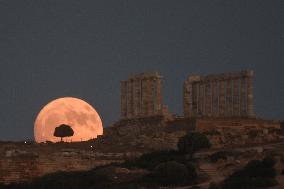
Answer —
(141, 96)
(223, 95)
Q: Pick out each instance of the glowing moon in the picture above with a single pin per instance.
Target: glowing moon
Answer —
(82, 117)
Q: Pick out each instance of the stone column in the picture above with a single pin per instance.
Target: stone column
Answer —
(194, 99)
(123, 99)
(186, 98)
(236, 98)
(204, 99)
(214, 100)
(136, 96)
(243, 97)
(130, 98)
(208, 96)
(152, 96)
(250, 107)
(191, 96)
(144, 105)
(159, 100)
(229, 106)
(200, 99)
(147, 97)
(222, 98)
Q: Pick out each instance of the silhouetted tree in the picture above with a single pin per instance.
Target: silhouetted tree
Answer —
(63, 131)
(192, 142)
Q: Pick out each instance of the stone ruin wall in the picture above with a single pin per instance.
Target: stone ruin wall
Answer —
(147, 135)
(222, 102)
(141, 96)
(222, 95)
(128, 141)
(204, 124)
(19, 163)
(236, 132)
(142, 135)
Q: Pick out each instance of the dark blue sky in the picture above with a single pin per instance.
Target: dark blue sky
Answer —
(55, 48)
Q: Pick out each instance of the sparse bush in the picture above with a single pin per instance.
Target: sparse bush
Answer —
(253, 133)
(2, 185)
(212, 132)
(151, 160)
(166, 168)
(70, 180)
(222, 155)
(195, 187)
(193, 142)
(171, 173)
(213, 185)
(256, 174)
(48, 142)
(192, 174)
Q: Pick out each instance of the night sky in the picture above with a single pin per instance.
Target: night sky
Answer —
(56, 48)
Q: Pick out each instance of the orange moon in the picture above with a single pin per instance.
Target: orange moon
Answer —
(78, 114)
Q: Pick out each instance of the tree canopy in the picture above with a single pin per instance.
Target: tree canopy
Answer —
(192, 142)
(63, 131)
(256, 174)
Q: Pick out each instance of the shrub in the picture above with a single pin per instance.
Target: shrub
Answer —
(253, 133)
(213, 185)
(195, 187)
(262, 169)
(256, 174)
(2, 186)
(192, 174)
(212, 132)
(151, 160)
(70, 180)
(193, 142)
(171, 173)
(222, 155)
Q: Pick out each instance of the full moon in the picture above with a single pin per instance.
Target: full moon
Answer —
(78, 114)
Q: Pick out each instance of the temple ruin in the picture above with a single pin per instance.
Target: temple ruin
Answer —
(141, 96)
(219, 106)
(222, 95)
